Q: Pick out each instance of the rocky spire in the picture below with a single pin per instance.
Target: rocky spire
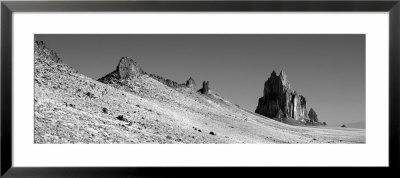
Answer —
(205, 88)
(279, 97)
(190, 83)
(128, 68)
(313, 115)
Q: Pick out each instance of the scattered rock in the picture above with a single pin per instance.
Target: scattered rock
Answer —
(129, 123)
(343, 125)
(104, 92)
(196, 129)
(90, 95)
(105, 110)
(212, 133)
(122, 118)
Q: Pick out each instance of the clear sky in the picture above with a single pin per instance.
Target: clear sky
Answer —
(329, 70)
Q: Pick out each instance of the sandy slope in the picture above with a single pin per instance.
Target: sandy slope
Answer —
(72, 108)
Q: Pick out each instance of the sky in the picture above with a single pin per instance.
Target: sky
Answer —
(327, 69)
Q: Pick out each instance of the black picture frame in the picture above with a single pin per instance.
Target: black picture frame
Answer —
(8, 7)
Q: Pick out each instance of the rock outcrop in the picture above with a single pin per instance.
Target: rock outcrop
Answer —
(42, 52)
(190, 83)
(205, 89)
(313, 115)
(129, 69)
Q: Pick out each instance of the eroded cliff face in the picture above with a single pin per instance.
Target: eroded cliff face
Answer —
(280, 100)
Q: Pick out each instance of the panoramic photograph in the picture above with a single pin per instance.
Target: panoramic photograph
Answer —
(199, 89)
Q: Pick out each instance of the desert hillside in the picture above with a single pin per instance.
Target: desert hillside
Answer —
(129, 105)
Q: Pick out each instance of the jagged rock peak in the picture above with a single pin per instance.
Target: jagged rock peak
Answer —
(280, 79)
(41, 51)
(128, 68)
(278, 96)
(273, 74)
(205, 89)
(190, 83)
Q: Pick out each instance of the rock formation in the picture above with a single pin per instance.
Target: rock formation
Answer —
(313, 115)
(205, 88)
(129, 69)
(190, 83)
(280, 100)
(42, 52)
